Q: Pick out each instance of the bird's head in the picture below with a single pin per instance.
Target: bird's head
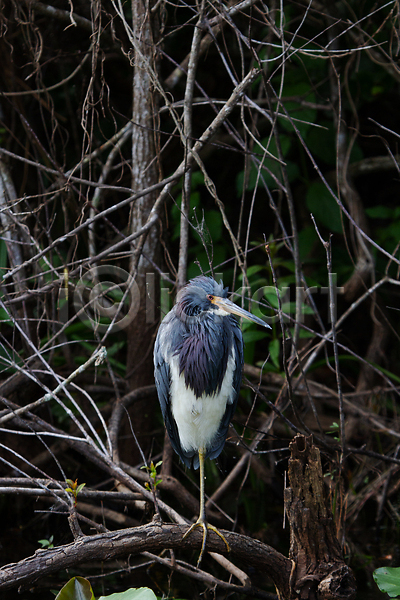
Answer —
(203, 295)
(194, 298)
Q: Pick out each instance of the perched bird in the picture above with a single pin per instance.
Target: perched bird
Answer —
(198, 361)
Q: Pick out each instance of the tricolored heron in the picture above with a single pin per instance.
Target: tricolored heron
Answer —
(198, 360)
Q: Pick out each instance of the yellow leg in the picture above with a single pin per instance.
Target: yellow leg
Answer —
(201, 521)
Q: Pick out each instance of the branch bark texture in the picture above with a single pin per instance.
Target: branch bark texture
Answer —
(320, 571)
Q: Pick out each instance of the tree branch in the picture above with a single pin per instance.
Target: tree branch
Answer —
(150, 538)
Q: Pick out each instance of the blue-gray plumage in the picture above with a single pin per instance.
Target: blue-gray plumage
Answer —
(198, 360)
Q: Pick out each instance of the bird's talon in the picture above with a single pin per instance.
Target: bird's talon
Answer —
(192, 528)
(205, 527)
(228, 548)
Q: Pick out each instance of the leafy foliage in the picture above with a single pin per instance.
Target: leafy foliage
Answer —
(79, 588)
(388, 580)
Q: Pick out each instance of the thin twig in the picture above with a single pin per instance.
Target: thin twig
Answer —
(332, 312)
(187, 128)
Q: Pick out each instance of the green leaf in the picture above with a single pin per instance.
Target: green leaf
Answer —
(197, 254)
(322, 142)
(324, 208)
(176, 213)
(253, 335)
(273, 166)
(307, 239)
(274, 349)
(388, 580)
(77, 588)
(272, 297)
(213, 221)
(300, 91)
(252, 271)
(380, 212)
(132, 594)
(290, 307)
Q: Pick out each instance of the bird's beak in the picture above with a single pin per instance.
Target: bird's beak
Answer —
(230, 307)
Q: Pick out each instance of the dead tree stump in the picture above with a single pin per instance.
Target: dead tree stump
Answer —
(319, 571)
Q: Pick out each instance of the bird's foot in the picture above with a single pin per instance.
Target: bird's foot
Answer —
(205, 526)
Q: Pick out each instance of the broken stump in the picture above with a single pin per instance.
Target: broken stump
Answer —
(319, 571)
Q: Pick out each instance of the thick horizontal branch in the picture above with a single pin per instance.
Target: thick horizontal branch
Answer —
(148, 538)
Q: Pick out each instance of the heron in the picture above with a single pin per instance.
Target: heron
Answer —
(198, 362)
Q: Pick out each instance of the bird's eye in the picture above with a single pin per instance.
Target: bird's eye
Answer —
(210, 297)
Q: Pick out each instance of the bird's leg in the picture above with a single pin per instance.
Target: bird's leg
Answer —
(201, 521)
